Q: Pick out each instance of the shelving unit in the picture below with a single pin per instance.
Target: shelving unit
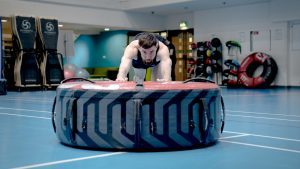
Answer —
(8, 60)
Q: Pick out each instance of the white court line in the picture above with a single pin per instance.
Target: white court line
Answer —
(31, 100)
(21, 115)
(8, 108)
(253, 95)
(257, 135)
(68, 160)
(246, 112)
(268, 118)
(32, 97)
(241, 135)
(26, 97)
(261, 146)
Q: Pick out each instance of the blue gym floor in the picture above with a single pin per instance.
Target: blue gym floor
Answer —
(262, 130)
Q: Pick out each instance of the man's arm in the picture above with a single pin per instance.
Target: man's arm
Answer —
(165, 63)
(126, 60)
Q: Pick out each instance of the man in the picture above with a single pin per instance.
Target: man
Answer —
(144, 52)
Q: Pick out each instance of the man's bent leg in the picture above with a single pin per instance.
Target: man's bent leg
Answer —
(139, 75)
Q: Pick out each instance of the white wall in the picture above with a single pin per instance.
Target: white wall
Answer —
(89, 16)
(172, 21)
(235, 23)
(65, 43)
(284, 10)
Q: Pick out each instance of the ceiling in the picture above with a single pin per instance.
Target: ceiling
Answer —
(186, 6)
(159, 7)
(155, 7)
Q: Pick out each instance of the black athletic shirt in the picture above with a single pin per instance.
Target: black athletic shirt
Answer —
(140, 64)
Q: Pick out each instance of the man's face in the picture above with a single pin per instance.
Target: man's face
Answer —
(148, 54)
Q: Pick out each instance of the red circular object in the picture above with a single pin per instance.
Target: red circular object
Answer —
(250, 64)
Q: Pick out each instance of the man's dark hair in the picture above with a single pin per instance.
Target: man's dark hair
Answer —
(147, 40)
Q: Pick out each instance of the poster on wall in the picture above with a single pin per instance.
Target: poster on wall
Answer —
(295, 37)
(260, 41)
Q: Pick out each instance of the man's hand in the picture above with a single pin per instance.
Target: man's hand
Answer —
(162, 80)
(120, 79)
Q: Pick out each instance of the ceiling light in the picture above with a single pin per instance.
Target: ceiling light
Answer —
(106, 29)
(183, 25)
(3, 20)
(60, 25)
(163, 34)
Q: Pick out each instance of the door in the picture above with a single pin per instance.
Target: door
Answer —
(293, 77)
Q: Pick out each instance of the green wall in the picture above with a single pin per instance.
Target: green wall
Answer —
(103, 50)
